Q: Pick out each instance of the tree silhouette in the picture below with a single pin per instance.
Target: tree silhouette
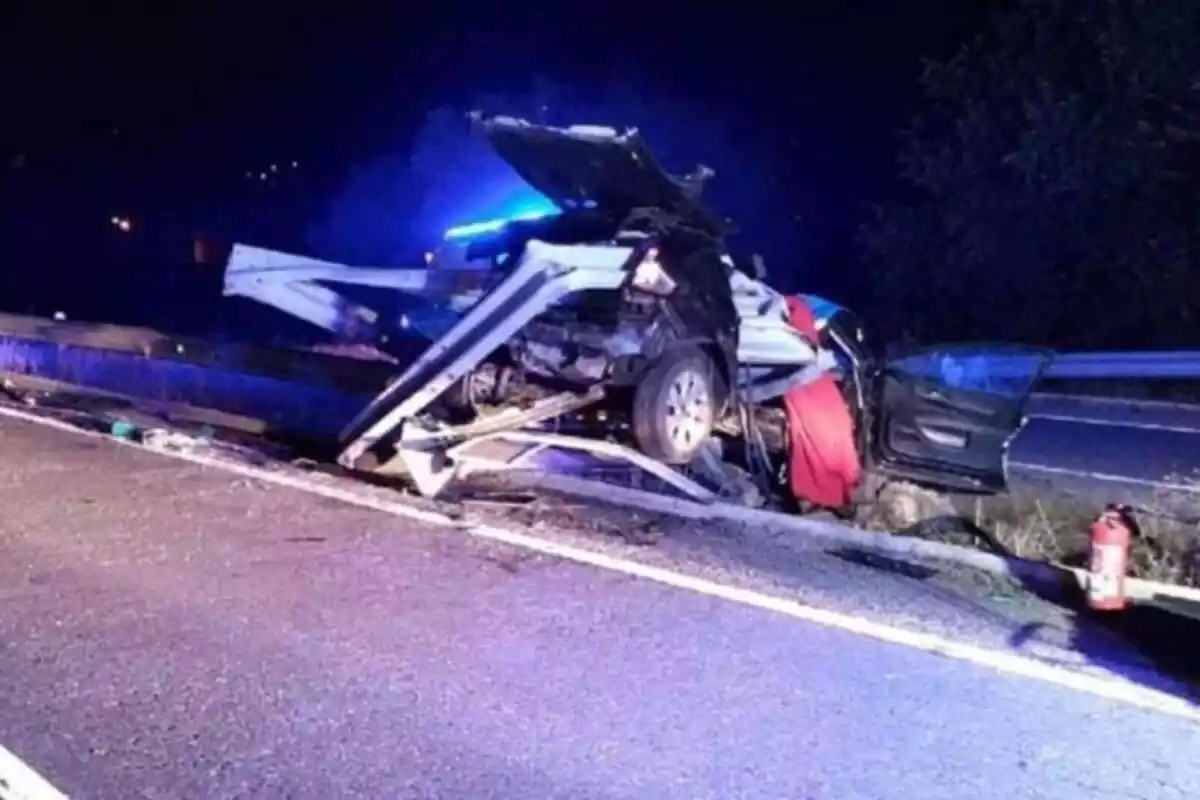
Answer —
(1052, 182)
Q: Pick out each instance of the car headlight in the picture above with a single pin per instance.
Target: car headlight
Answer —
(649, 275)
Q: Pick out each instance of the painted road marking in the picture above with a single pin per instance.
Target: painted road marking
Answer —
(1118, 423)
(1119, 402)
(19, 781)
(1107, 477)
(1113, 689)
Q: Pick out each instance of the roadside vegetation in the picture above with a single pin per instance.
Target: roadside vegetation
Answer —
(1049, 184)
(1043, 524)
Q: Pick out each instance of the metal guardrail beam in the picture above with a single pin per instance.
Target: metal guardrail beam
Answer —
(978, 365)
(1152, 365)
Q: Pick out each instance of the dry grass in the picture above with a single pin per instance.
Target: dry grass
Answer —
(1046, 525)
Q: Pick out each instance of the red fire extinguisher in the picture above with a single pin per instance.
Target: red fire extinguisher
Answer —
(1112, 536)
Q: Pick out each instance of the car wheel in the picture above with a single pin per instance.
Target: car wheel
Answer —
(675, 406)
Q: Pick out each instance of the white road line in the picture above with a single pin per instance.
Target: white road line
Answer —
(1118, 423)
(1121, 402)
(1106, 477)
(1114, 689)
(19, 781)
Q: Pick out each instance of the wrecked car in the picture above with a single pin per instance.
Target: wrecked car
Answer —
(621, 326)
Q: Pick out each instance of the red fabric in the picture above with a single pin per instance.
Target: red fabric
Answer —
(823, 462)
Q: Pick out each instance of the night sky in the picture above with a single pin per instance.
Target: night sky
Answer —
(163, 113)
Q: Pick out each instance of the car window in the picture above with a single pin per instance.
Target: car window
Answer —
(1005, 370)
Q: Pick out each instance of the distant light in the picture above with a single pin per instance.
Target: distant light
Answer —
(60, 316)
(493, 226)
(429, 258)
(274, 168)
(122, 224)
(295, 164)
(262, 176)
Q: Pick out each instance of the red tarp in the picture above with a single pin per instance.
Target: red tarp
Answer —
(823, 464)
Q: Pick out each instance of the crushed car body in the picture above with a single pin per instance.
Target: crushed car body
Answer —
(623, 327)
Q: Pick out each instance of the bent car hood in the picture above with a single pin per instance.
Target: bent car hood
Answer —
(586, 167)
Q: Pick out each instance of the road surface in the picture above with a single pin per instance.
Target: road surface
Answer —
(1112, 450)
(172, 630)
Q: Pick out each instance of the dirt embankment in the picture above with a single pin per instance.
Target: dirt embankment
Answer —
(1044, 524)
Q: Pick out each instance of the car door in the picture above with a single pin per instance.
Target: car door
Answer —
(946, 416)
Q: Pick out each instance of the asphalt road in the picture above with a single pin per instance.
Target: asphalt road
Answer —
(1111, 449)
(176, 631)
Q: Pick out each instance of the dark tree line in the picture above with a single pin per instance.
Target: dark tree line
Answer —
(1052, 183)
(1049, 190)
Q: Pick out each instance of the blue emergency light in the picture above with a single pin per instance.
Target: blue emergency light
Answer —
(474, 229)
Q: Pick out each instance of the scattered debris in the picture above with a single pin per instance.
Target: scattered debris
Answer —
(362, 352)
(10, 389)
(124, 429)
(732, 482)
(900, 506)
(501, 499)
(162, 439)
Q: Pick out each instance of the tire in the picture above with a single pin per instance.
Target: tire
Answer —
(675, 406)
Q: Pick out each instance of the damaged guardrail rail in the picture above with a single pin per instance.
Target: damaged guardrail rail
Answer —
(198, 372)
(301, 395)
(296, 392)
